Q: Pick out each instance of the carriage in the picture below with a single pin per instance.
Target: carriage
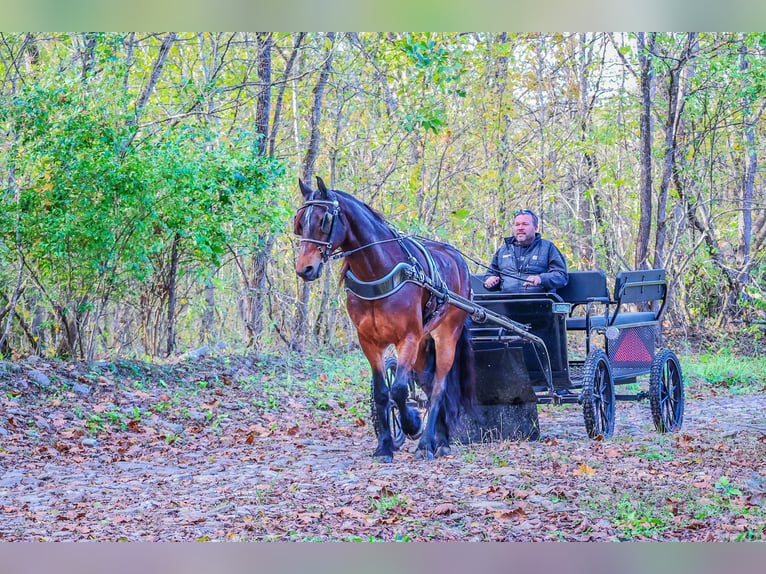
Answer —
(455, 341)
(584, 345)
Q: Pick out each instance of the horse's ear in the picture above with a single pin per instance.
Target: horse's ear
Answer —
(305, 189)
(321, 186)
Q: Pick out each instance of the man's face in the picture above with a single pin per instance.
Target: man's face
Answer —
(524, 228)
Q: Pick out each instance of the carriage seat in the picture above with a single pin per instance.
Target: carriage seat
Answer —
(589, 288)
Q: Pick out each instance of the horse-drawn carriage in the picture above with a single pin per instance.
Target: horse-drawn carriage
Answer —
(455, 340)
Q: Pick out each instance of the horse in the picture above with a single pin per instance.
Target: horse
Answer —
(396, 294)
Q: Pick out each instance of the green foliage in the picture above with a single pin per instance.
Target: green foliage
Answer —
(725, 370)
(639, 519)
(95, 203)
(726, 488)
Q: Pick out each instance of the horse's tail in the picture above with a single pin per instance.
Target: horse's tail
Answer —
(460, 388)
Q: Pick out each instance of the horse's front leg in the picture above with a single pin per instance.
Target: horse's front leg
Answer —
(385, 449)
(410, 418)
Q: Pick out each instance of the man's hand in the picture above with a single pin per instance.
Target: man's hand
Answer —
(491, 281)
(533, 281)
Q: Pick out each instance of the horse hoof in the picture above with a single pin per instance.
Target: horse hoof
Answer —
(382, 456)
(443, 450)
(412, 425)
(422, 454)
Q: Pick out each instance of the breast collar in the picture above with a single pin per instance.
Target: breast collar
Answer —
(403, 272)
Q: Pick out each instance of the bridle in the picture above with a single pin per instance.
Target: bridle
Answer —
(412, 271)
(327, 225)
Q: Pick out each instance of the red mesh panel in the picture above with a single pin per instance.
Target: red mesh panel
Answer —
(633, 348)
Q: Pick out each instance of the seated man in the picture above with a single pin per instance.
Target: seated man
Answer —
(526, 263)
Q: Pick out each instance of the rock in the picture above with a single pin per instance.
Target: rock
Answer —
(7, 367)
(199, 353)
(80, 389)
(39, 378)
(11, 479)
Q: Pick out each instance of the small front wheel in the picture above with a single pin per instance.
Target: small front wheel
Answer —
(392, 411)
(598, 395)
(666, 392)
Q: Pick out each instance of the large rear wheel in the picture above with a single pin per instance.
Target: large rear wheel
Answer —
(666, 392)
(598, 395)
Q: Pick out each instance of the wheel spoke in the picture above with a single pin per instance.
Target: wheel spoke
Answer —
(666, 392)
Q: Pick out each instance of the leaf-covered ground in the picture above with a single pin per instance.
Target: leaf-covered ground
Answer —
(245, 448)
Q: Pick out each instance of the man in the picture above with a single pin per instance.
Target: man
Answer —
(526, 263)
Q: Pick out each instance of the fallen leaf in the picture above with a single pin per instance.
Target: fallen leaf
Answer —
(444, 509)
(512, 514)
(584, 470)
(351, 512)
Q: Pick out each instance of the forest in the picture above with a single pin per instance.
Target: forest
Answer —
(149, 179)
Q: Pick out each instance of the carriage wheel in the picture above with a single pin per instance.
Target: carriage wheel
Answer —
(666, 392)
(598, 395)
(392, 411)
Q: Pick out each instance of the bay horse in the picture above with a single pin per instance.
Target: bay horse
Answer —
(396, 290)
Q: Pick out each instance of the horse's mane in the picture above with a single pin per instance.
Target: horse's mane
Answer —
(377, 214)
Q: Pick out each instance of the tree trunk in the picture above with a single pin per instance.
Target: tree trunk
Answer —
(208, 330)
(281, 94)
(88, 54)
(672, 127)
(263, 105)
(645, 140)
(503, 146)
(587, 200)
(172, 296)
(748, 181)
(300, 321)
(154, 77)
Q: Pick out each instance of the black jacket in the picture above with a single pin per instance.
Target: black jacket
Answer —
(541, 258)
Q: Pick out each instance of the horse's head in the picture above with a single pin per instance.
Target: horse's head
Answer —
(317, 223)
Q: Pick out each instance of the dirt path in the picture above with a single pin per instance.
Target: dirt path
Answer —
(216, 465)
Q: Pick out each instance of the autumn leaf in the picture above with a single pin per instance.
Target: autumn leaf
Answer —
(444, 509)
(350, 512)
(517, 513)
(584, 470)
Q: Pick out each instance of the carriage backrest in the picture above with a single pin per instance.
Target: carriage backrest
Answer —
(640, 286)
(584, 286)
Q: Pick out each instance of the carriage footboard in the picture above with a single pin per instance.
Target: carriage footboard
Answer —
(481, 315)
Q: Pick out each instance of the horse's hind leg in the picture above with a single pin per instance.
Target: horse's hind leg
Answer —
(441, 436)
(435, 439)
